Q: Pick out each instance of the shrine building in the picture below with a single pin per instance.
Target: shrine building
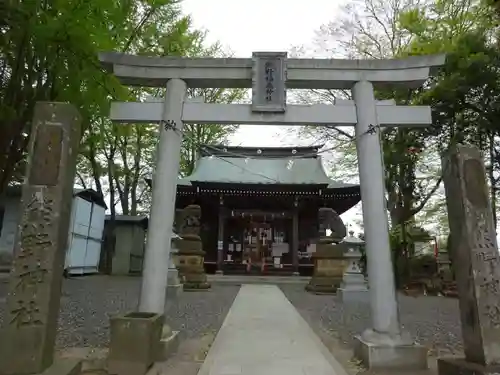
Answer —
(260, 206)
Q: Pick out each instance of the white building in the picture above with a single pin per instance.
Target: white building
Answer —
(85, 233)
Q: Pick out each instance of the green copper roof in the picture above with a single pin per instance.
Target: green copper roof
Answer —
(261, 169)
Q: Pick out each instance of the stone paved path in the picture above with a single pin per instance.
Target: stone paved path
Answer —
(264, 334)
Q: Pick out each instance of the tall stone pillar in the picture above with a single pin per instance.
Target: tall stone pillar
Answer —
(476, 262)
(376, 347)
(220, 238)
(158, 245)
(29, 329)
(295, 242)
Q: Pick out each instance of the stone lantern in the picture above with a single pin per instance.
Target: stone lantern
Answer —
(190, 252)
(353, 285)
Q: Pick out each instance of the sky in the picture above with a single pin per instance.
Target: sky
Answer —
(240, 26)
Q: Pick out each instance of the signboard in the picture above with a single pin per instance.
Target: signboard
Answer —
(269, 82)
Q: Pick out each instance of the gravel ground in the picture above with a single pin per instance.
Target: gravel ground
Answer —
(432, 321)
(88, 302)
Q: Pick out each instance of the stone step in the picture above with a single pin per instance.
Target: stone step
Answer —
(257, 279)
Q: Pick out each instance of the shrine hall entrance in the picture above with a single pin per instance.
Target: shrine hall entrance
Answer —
(258, 243)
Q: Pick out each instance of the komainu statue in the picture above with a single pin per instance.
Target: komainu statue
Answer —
(329, 219)
(329, 259)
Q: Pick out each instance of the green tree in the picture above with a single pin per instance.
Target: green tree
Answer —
(48, 51)
(369, 29)
(116, 159)
(466, 92)
(376, 29)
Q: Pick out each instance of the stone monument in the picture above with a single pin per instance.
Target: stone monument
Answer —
(29, 329)
(476, 261)
(329, 262)
(190, 253)
(353, 287)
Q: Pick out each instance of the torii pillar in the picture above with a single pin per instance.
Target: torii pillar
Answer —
(384, 345)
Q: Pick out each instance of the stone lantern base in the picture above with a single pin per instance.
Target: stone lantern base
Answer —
(353, 287)
(174, 286)
(329, 265)
(190, 259)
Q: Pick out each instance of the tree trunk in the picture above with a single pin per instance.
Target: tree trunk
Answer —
(96, 175)
(491, 176)
(108, 248)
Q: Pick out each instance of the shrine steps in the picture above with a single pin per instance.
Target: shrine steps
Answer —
(241, 269)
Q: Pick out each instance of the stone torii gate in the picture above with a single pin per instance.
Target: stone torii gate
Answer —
(270, 74)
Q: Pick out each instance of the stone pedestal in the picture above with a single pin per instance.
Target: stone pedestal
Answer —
(190, 264)
(174, 286)
(135, 340)
(190, 255)
(169, 343)
(476, 262)
(329, 265)
(353, 287)
(398, 353)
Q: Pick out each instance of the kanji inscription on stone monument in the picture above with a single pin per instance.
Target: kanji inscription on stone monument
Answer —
(29, 328)
(47, 138)
(475, 254)
(269, 82)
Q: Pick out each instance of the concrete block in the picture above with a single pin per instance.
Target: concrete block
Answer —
(167, 346)
(324, 284)
(353, 295)
(173, 292)
(459, 366)
(134, 344)
(94, 360)
(390, 357)
(64, 366)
